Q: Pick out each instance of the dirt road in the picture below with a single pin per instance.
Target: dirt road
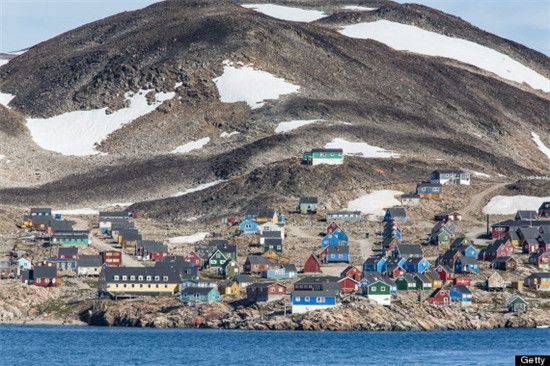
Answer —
(478, 199)
(127, 260)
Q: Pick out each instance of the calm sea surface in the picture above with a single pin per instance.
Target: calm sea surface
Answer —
(41, 345)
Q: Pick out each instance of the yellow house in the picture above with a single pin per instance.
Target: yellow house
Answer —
(433, 276)
(262, 215)
(276, 257)
(138, 281)
(230, 288)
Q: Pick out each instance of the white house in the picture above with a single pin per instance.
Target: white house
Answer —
(450, 176)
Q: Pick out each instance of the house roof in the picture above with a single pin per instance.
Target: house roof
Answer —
(461, 288)
(407, 277)
(312, 293)
(397, 211)
(422, 278)
(289, 267)
(341, 151)
(273, 241)
(527, 215)
(192, 290)
(257, 259)
(406, 250)
(345, 213)
(45, 272)
(502, 259)
(316, 280)
(89, 261)
(113, 214)
(41, 210)
(67, 251)
(41, 220)
(515, 298)
(309, 200)
(449, 171)
(467, 260)
(153, 246)
(130, 234)
(265, 284)
(110, 272)
(415, 260)
(61, 225)
(260, 212)
(271, 234)
(343, 249)
(243, 278)
(541, 275)
(346, 270)
(445, 268)
(428, 184)
(410, 195)
(371, 260)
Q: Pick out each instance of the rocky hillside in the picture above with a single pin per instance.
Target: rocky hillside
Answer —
(423, 108)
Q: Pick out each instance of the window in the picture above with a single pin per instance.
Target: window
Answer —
(213, 261)
(297, 298)
(165, 278)
(373, 288)
(307, 299)
(382, 288)
(124, 285)
(149, 278)
(124, 278)
(157, 278)
(133, 285)
(157, 285)
(280, 289)
(132, 278)
(140, 278)
(320, 299)
(116, 278)
(141, 285)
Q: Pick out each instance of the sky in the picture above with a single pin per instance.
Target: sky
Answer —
(24, 23)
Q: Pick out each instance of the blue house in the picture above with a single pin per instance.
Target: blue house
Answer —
(248, 226)
(462, 294)
(466, 265)
(281, 272)
(415, 265)
(396, 214)
(308, 300)
(341, 235)
(337, 254)
(24, 263)
(330, 240)
(374, 264)
(470, 251)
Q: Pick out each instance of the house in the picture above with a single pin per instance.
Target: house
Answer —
(194, 258)
(440, 297)
(249, 227)
(119, 225)
(341, 235)
(230, 269)
(445, 272)
(262, 215)
(256, 264)
(44, 276)
(89, 265)
(337, 254)
(408, 250)
(422, 282)
(526, 215)
(75, 237)
(352, 272)
(41, 223)
(119, 282)
(370, 277)
(405, 282)
(309, 300)
(528, 238)
(540, 259)
(504, 264)
(229, 287)
(106, 219)
(275, 244)
(41, 211)
(271, 230)
(280, 272)
(378, 291)
(7, 269)
(216, 260)
(396, 214)
(415, 264)
(270, 234)
(538, 281)
(495, 282)
(393, 268)
(346, 216)
(312, 265)
(151, 250)
(275, 257)
(374, 264)
(111, 258)
(544, 209)
(332, 227)
(516, 304)
(199, 295)
(441, 234)
(469, 251)
(348, 285)
(324, 156)
(500, 248)
(318, 283)
(67, 258)
(389, 243)
(454, 216)
(450, 176)
(58, 226)
(228, 250)
(410, 199)
(466, 265)
(433, 276)
(461, 294)
(330, 240)
(194, 282)
(464, 281)
(265, 292)
(243, 280)
(23, 263)
(308, 205)
(429, 190)
(129, 238)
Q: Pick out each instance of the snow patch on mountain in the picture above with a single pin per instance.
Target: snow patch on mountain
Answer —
(542, 147)
(375, 203)
(3, 61)
(5, 99)
(410, 38)
(287, 12)
(245, 84)
(198, 188)
(188, 239)
(292, 125)
(509, 205)
(358, 8)
(225, 135)
(190, 146)
(361, 149)
(78, 133)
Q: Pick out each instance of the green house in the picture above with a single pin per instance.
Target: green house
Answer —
(200, 295)
(422, 282)
(379, 291)
(516, 304)
(324, 156)
(230, 269)
(71, 239)
(216, 259)
(405, 282)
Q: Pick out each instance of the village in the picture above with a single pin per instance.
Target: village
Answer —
(251, 261)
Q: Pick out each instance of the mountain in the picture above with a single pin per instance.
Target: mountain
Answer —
(146, 105)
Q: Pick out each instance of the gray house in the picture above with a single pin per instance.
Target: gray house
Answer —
(350, 216)
(308, 205)
(450, 176)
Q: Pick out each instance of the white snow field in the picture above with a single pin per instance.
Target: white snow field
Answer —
(509, 205)
(77, 133)
(226, 135)
(5, 99)
(361, 149)
(3, 61)
(77, 212)
(410, 38)
(292, 125)
(190, 146)
(188, 239)
(542, 147)
(375, 203)
(197, 188)
(245, 84)
(359, 8)
(480, 174)
(287, 12)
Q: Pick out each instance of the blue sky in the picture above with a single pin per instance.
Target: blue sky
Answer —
(26, 22)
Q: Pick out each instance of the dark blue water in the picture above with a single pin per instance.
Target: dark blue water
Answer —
(38, 345)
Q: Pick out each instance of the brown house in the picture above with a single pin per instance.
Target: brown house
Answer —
(495, 282)
(504, 264)
(256, 264)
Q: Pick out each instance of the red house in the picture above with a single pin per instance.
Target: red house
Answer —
(195, 259)
(498, 231)
(445, 273)
(530, 245)
(331, 227)
(396, 271)
(500, 248)
(439, 297)
(312, 265)
(348, 285)
(45, 276)
(265, 291)
(544, 209)
(540, 259)
(111, 258)
(462, 281)
(351, 272)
